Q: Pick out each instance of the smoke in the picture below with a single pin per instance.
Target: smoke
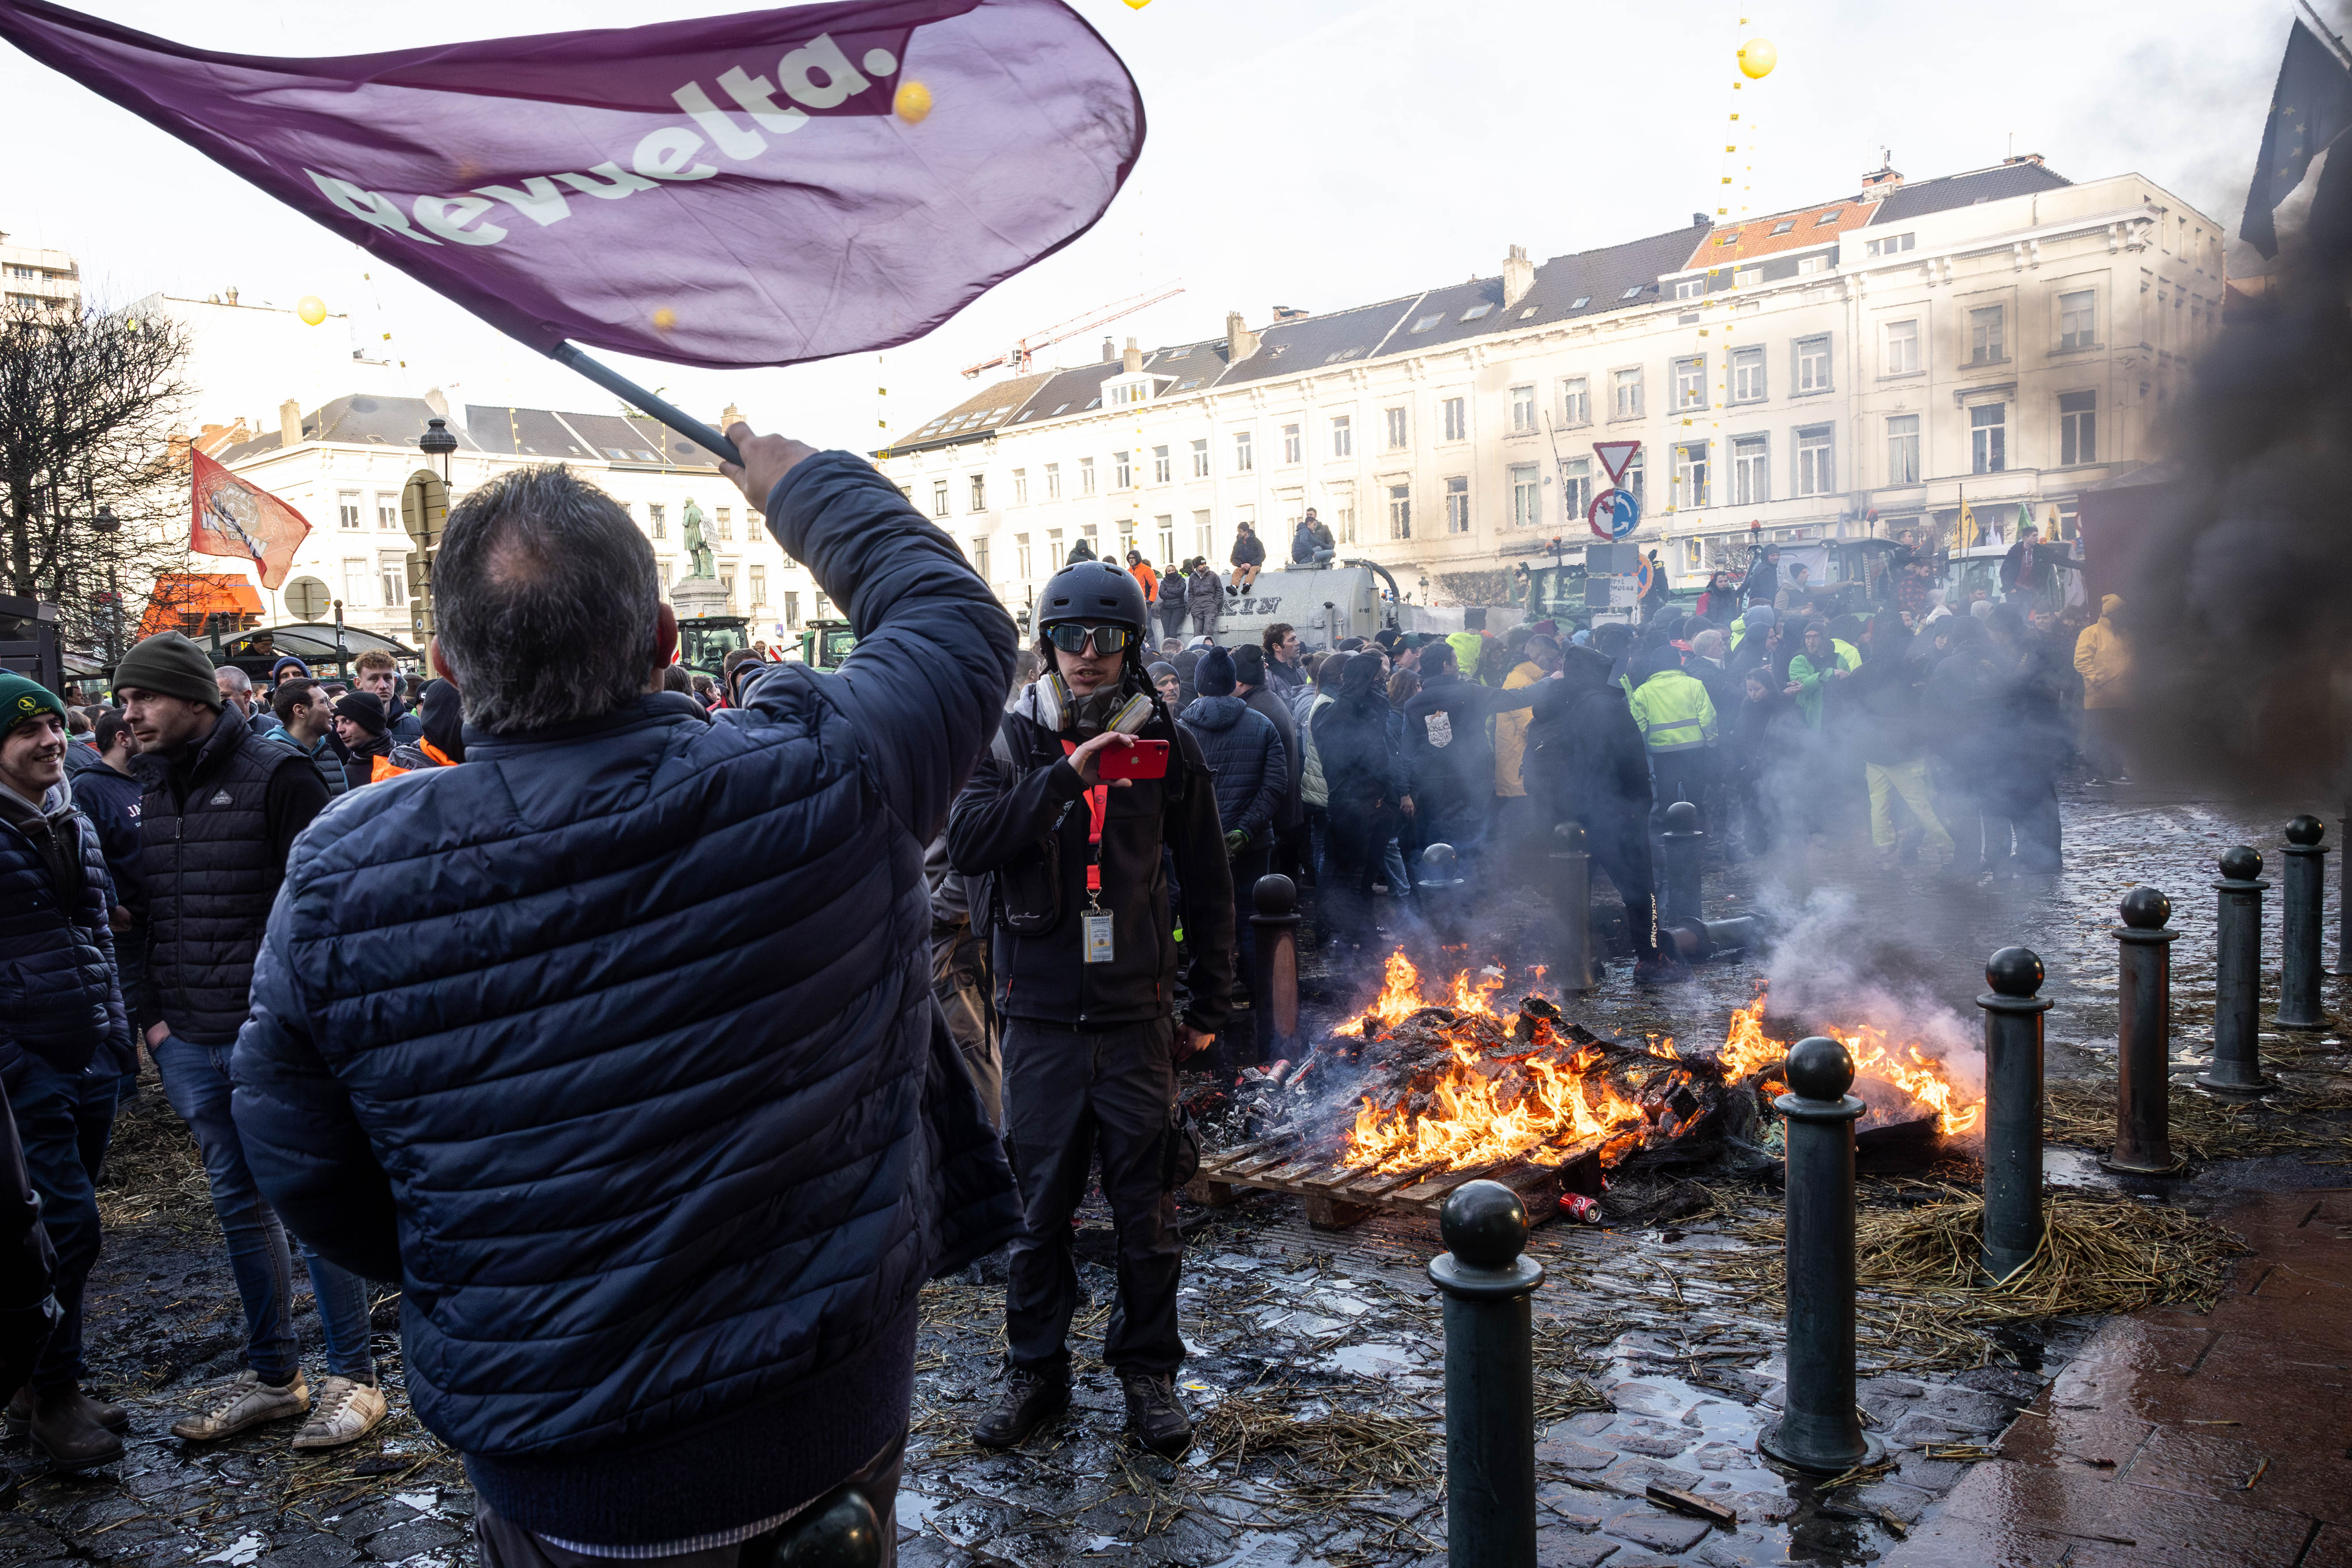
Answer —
(2239, 608)
(1833, 965)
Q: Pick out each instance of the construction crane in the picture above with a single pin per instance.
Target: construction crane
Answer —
(1019, 355)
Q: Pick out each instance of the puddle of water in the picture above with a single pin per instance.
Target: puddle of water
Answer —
(1371, 1359)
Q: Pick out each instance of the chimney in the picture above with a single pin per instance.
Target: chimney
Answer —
(1700, 220)
(1880, 182)
(437, 400)
(1518, 275)
(1132, 360)
(1240, 341)
(728, 416)
(1110, 350)
(231, 295)
(290, 423)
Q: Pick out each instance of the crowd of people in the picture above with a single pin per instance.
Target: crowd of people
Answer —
(657, 1040)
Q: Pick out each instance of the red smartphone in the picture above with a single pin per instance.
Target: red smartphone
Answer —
(1136, 760)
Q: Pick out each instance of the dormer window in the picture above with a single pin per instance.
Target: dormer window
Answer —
(1475, 311)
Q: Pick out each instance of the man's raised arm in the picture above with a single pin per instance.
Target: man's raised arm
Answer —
(934, 656)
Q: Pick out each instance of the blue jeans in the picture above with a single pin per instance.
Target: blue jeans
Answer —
(51, 1110)
(197, 1082)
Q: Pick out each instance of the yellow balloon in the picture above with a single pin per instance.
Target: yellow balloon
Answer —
(1756, 59)
(1137, 5)
(913, 103)
(311, 308)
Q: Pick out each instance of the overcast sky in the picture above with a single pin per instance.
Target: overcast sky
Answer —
(1317, 153)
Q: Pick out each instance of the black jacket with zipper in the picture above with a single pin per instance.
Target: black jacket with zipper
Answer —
(1023, 824)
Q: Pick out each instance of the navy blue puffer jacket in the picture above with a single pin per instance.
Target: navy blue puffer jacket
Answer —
(1246, 759)
(59, 998)
(615, 1045)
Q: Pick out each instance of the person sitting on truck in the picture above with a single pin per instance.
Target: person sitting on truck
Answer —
(1312, 544)
(1248, 555)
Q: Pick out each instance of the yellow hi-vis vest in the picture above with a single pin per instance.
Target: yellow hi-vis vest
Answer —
(1673, 711)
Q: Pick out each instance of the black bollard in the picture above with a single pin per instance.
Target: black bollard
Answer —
(1274, 979)
(837, 1531)
(1685, 842)
(2238, 977)
(2344, 901)
(2144, 1038)
(1440, 892)
(2299, 923)
(1490, 1377)
(2013, 1220)
(1819, 1431)
(1571, 892)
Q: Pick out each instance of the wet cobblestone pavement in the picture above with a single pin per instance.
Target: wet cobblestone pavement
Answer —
(1317, 1359)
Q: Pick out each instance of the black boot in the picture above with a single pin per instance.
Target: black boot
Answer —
(1033, 1396)
(1155, 1414)
(61, 1427)
(113, 1417)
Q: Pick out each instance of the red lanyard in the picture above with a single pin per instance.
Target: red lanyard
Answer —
(1097, 804)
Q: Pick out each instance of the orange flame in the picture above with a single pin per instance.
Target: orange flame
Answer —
(1750, 1052)
(1541, 1104)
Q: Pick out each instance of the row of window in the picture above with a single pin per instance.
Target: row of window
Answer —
(1813, 472)
(1810, 371)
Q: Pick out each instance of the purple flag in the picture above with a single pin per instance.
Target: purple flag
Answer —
(731, 191)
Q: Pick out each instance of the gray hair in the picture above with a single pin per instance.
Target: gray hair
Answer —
(547, 601)
(1708, 644)
(236, 679)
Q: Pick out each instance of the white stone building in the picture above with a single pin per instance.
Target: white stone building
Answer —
(39, 279)
(342, 465)
(1859, 365)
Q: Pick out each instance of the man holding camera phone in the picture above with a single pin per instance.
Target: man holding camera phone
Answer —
(1064, 822)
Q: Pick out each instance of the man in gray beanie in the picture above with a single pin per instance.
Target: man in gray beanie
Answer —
(220, 812)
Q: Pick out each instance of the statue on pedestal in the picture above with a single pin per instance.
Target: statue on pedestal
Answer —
(700, 561)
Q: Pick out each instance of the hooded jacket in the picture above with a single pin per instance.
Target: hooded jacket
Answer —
(1585, 755)
(1362, 766)
(1247, 764)
(617, 1046)
(59, 999)
(1204, 593)
(1670, 707)
(2104, 658)
(1511, 734)
(1446, 732)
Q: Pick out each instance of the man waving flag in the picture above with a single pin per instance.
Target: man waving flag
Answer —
(761, 189)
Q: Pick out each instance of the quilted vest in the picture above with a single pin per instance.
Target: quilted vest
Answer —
(211, 879)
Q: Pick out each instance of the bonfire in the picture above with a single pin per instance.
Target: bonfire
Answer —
(1892, 1076)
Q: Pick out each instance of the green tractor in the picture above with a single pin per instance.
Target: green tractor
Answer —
(704, 642)
(825, 645)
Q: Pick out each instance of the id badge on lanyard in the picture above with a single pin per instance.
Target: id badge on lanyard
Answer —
(1094, 922)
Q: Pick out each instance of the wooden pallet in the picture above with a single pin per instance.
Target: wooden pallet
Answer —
(1335, 1196)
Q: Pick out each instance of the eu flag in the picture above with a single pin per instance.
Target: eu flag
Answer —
(2312, 106)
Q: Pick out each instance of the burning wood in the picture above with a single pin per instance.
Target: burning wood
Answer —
(1900, 1082)
(1452, 1085)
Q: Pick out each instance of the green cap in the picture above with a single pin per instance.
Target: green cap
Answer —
(21, 700)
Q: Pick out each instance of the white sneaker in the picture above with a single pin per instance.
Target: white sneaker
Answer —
(346, 1412)
(247, 1401)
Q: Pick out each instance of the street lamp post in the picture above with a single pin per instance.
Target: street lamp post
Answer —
(437, 442)
(105, 521)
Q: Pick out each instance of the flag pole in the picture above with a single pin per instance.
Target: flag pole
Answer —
(669, 414)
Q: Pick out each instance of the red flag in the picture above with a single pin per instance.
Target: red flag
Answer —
(233, 519)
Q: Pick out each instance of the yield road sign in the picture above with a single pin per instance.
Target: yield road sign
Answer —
(1614, 514)
(1614, 455)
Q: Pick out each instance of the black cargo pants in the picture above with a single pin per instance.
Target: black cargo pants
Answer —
(1069, 1093)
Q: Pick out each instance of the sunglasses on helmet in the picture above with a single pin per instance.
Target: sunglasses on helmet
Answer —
(1071, 638)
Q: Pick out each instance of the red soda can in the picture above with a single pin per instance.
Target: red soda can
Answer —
(1580, 1208)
